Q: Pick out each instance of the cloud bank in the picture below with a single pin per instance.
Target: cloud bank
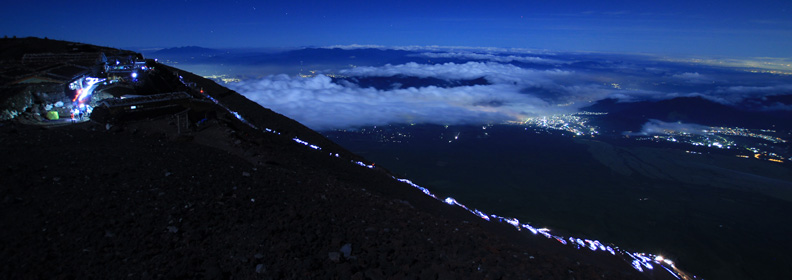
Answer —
(514, 93)
(321, 104)
(656, 127)
(691, 77)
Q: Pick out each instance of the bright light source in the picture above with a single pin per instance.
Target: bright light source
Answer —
(90, 84)
(134, 75)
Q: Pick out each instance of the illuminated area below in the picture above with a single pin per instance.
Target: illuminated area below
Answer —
(577, 123)
(752, 143)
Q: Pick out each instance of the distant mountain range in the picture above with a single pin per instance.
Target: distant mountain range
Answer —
(403, 82)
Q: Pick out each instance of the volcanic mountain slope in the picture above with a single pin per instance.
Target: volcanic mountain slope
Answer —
(229, 201)
(82, 202)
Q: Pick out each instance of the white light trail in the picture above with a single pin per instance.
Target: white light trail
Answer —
(639, 260)
(85, 91)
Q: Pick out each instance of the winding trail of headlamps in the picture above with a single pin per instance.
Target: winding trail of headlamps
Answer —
(639, 261)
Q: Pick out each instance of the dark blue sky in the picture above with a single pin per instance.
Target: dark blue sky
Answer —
(709, 28)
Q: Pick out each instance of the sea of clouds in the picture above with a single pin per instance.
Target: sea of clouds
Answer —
(513, 93)
(322, 104)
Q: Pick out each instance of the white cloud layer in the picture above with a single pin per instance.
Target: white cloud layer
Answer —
(654, 127)
(321, 104)
(692, 77)
(514, 94)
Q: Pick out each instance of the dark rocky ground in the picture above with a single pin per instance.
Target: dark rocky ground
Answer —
(80, 201)
(138, 200)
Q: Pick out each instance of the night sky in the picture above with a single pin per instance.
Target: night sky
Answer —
(705, 28)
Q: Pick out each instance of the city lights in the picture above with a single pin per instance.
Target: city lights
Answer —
(576, 123)
(756, 141)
